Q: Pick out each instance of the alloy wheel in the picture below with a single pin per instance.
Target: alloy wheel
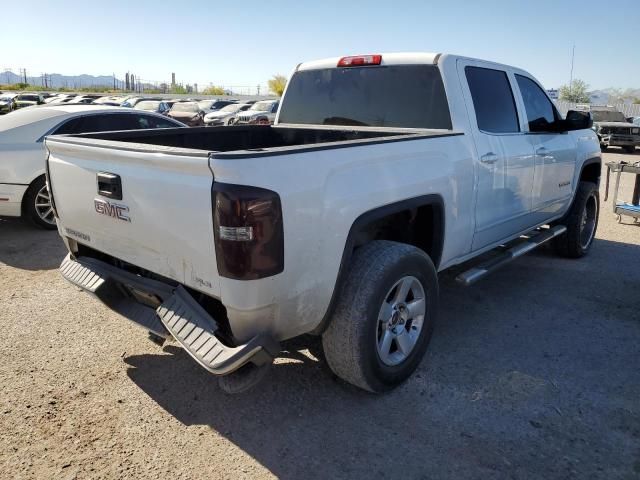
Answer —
(43, 206)
(400, 320)
(588, 221)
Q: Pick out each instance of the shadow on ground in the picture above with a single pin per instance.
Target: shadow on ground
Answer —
(27, 247)
(531, 373)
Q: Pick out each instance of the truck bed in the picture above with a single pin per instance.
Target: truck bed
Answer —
(252, 138)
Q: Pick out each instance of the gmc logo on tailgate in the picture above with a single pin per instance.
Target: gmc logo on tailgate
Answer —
(115, 210)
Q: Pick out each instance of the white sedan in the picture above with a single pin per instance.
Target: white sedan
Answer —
(23, 190)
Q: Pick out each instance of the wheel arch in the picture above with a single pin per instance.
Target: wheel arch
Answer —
(425, 208)
(591, 170)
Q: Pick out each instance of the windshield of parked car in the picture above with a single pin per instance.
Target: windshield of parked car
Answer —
(234, 107)
(608, 116)
(5, 98)
(400, 96)
(261, 106)
(205, 104)
(185, 107)
(130, 102)
(147, 105)
(28, 98)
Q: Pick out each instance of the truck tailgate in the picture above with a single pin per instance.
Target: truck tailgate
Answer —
(163, 221)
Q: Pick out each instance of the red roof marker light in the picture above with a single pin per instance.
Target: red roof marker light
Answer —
(360, 60)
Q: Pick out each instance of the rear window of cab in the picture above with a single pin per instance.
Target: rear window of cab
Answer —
(398, 96)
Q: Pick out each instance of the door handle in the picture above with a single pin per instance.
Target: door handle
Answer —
(489, 158)
(109, 185)
(544, 154)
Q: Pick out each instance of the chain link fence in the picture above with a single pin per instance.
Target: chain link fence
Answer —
(628, 109)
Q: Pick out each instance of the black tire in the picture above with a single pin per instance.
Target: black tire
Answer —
(603, 147)
(350, 342)
(629, 148)
(577, 240)
(29, 210)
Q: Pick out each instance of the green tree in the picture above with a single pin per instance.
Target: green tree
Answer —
(576, 92)
(213, 90)
(277, 84)
(178, 89)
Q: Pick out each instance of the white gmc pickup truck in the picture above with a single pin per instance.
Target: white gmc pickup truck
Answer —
(379, 172)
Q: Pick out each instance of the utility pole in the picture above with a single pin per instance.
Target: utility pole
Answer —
(573, 54)
(258, 89)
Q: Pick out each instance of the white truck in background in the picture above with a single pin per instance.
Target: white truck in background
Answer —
(380, 172)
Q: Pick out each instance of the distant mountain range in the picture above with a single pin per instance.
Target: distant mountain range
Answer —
(55, 80)
(614, 95)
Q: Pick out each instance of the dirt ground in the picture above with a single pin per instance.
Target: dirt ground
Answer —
(532, 373)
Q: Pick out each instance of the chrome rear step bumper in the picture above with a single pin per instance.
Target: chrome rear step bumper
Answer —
(178, 314)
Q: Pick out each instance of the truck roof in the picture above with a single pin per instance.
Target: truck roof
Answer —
(402, 58)
(406, 58)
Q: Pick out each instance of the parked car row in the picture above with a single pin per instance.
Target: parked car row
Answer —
(193, 112)
(13, 101)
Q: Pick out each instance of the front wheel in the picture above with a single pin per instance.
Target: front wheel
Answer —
(384, 316)
(581, 222)
(37, 206)
(629, 148)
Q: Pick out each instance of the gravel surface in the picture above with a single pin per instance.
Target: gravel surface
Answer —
(532, 373)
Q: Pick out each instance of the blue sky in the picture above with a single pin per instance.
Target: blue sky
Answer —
(245, 42)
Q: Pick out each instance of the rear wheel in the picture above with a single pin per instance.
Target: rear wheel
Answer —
(384, 317)
(581, 222)
(37, 205)
(629, 148)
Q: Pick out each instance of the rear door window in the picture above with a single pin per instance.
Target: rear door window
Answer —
(68, 127)
(151, 121)
(492, 100)
(106, 123)
(400, 96)
(113, 121)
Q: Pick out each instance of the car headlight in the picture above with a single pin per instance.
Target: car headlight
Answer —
(635, 131)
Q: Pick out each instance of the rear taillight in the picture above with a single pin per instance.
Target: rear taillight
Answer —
(248, 231)
(360, 60)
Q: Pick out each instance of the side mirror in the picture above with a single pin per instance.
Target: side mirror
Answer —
(578, 120)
